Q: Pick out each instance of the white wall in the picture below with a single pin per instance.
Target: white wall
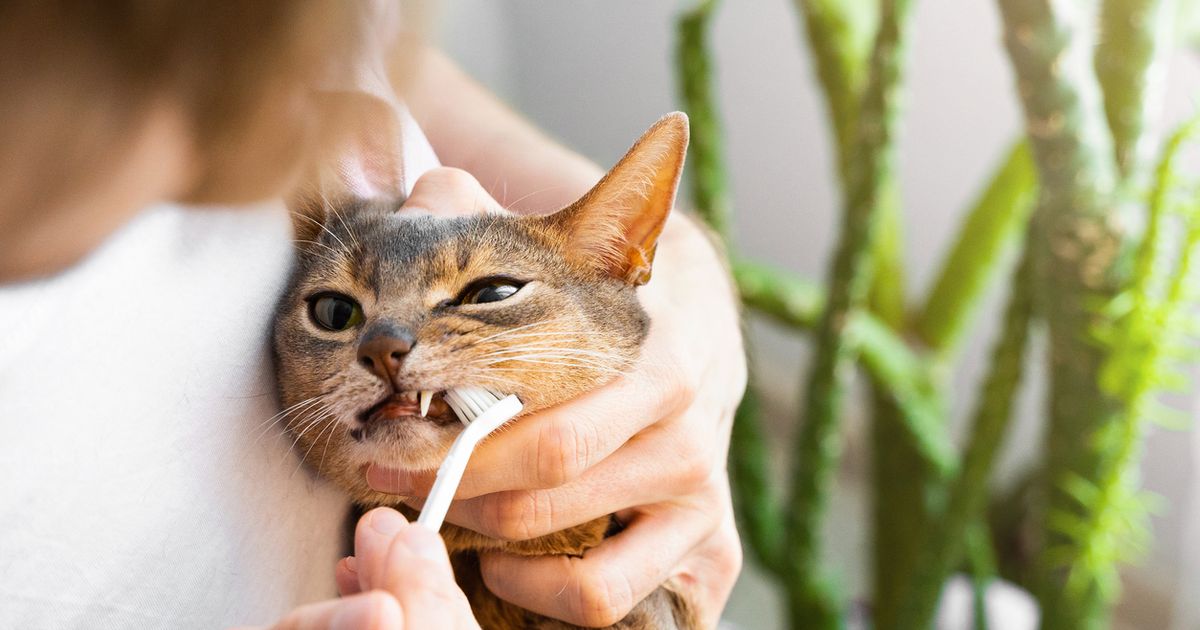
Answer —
(596, 73)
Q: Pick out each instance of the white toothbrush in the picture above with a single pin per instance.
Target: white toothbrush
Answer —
(482, 411)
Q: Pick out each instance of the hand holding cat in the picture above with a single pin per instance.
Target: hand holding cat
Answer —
(650, 447)
(399, 578)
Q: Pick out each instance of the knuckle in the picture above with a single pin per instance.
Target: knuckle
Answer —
(693, 462)
(729, 557)
(511, 516)
(563, 452)
(679, 391)
(685, 392)
(695, 470)
(604, 599)
(377, 601)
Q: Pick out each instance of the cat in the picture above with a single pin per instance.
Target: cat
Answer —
(383, 304)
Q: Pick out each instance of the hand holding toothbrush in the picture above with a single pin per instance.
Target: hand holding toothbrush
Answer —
(399, 577)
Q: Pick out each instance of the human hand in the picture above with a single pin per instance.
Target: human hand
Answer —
(649, 447)
(399, 577)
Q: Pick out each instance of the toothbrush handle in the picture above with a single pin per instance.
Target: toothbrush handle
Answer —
(449, 475)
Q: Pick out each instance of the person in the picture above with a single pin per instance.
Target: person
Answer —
(135, 391)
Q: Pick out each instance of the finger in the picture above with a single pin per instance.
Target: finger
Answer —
(446, 191)
(377, 533)
(708, 573)
(346, 575)
(555, 446)
(677, 464)
(374, 609)
(600, 588)
(372, 537)
(411, 563)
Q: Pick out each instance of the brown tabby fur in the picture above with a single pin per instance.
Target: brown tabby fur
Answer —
(574, 325)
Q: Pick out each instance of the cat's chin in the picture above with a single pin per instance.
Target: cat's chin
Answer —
(408, 444)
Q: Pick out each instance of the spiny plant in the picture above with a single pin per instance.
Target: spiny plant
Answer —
(1115, 301)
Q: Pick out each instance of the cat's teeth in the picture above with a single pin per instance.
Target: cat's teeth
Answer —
(426, 398)
(409, 396)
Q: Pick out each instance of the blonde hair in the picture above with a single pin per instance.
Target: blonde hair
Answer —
(78, 77)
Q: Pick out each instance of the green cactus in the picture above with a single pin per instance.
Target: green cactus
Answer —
(944, 543)
(1146, 333)
(1083, 271)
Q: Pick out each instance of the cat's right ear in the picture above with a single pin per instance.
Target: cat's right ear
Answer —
(615, 227)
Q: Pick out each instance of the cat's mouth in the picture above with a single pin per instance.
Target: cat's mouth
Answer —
(409, 406)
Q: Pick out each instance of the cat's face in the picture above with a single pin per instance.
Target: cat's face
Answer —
(386, 304)
(390, 304)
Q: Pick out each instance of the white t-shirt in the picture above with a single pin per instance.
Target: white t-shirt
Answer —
(141, 484)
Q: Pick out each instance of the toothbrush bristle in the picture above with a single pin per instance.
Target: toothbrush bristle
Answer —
(469, 402)
(452, 399)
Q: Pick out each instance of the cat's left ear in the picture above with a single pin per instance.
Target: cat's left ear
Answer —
(616, 225)
(361, 159)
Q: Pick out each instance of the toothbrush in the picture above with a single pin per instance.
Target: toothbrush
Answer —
(481, 411)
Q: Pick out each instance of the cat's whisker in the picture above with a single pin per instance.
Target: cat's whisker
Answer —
(330, 258)
(325, 228)
(570, 365)
(580, 353)
(323, 414)
(331, 422)
(292, 408)
(527, 370)
(289, 409)
(306, 424)
(564, 361)
(332, 261)
(508, 206)
(556, 333)
(485, 377)
(266, 425)
(294, 451)
(599, 354)
(325, 450)
(511, 335)
(534, 349)
(349, 232)
(317, 243)
(516, 329)
(325, 257)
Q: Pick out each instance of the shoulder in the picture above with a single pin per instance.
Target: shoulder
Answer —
(136, 402)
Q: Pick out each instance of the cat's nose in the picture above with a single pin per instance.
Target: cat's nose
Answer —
(383, 349)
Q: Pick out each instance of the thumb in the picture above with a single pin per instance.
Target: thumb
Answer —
(383, 536)
(448, 192)
(411, 563)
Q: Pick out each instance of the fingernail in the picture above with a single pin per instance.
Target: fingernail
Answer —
(355, 613)
(389, 480)
(351, 563)
(387, 522)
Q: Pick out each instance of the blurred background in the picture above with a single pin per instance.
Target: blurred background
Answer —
(594, 74)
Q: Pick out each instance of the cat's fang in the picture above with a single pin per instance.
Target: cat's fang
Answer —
(426, 398)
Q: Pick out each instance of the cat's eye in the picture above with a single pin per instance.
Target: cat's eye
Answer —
(490, 290)
(334, 311)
